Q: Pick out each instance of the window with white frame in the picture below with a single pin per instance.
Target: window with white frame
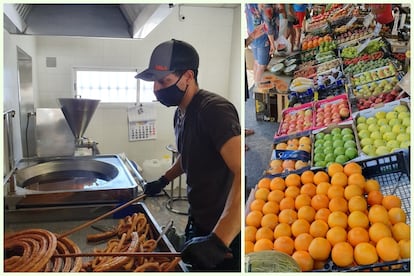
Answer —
(112, 86)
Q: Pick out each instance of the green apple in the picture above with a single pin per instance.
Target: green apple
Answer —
(380, 114)
(347, 137)
(373, 127)
(382, 122)
(371, 120)
(393, 144)
(362, 126)
(402, 137)
(386, 128)
(405, 144)
(394, 121)
(400, 108)
(364, 134)
(350, 144)
(375, 135)
(379, 142)
(366, 141)
(328, 143)
(320, 163)
(319, 135)
(406, 122)
(337, 137)
(330, 157)
(341, 159)
(382, 150)
(361, 119)
(389, 136)
(335, 131)
(391, 115)
(369, 150)
(327, 136)
(318, 157)
(338, 143)
(328, 150)
(339, 151)
(398, 129)
(404, 114)
(347, 130)
(318, 150)
(351, 153)
(319, 143)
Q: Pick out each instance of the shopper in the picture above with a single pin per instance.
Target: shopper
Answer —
(208, 140)
(300, 12)
(383, 14)
(287, 12)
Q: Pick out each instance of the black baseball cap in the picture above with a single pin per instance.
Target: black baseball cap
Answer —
(168, 57)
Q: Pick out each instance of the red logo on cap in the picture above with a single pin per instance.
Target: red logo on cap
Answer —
(161, 68)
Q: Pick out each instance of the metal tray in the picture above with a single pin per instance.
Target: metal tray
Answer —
(62, 219)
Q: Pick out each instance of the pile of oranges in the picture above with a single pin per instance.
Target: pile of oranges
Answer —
(314, 42)
(278, 166)
(336, 214)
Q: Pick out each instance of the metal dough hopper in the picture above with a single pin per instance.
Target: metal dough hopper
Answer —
(78, 113)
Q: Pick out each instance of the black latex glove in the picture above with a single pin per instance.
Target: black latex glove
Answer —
(155, 187)
(205, 252)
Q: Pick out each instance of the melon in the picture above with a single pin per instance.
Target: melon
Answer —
(270, 261)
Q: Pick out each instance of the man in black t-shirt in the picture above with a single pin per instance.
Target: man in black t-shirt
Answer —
(207, 131)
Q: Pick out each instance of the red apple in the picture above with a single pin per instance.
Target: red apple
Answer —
(344, 112)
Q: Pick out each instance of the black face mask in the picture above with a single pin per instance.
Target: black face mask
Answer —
(171, 95)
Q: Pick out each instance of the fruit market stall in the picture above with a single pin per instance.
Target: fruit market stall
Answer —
(336, 193)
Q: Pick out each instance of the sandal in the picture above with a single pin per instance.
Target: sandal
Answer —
(248, 132)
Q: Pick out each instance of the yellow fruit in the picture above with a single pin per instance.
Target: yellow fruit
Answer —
(320, 249)
(401, 231)
(342, 254)
(388, 249)
(365, 254)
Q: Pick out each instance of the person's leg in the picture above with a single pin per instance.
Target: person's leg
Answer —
(261, 61)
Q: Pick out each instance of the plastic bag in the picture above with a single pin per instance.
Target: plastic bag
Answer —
(283, 46)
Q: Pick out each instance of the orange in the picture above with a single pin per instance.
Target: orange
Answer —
(378, 213)
(308, 189)
(351, 168)
(358, 235)
(320, 40)
(318, 228)
(323, 214)
(304, 147)
(277, 183)
(342, 254)
(340, 179)
(306, 212)
(250, 233)
(264, 183)
(288, 164)
(334, 168)
(365, 254)
(358, 219)
(299, 226)
(264, 233)
(275, 170)
(262, 245)
(254, 218)
(396, 215)
(248, 247)
(338, 218)
(335, 191)
(378, 231)
(287, 216)
(261, 193)
(302, 200)
(284, 244)
(374, 197)
(401, 231)
(257, 205)
(282, 229)
(372, 185)
(269, 220)
(304, 259)
(388, 249)
(319, 249)
(302, 241)
(357, 203)
(352, 190)
(307, 177)
(322, 188)
(276, 196)
(319, 264)
(320, 177)
(319, 201)
(292, 191)
(270, 207)
(305, 140)
(293, 141)
(404, 249)
(287, 203)
(276, 163)
(281, 146)
(391, 201)
(356, 179)
(338, 204)
(336, 234)
(292, 179)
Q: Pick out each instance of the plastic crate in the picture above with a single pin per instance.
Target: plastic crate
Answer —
(393, 175)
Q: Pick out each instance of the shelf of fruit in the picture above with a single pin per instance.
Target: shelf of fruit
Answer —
(374, 75)
(384, 129)
(364, 66)
(371, 51)
(333, 110)
(375, 88)
(353, 36)
(295, 120)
